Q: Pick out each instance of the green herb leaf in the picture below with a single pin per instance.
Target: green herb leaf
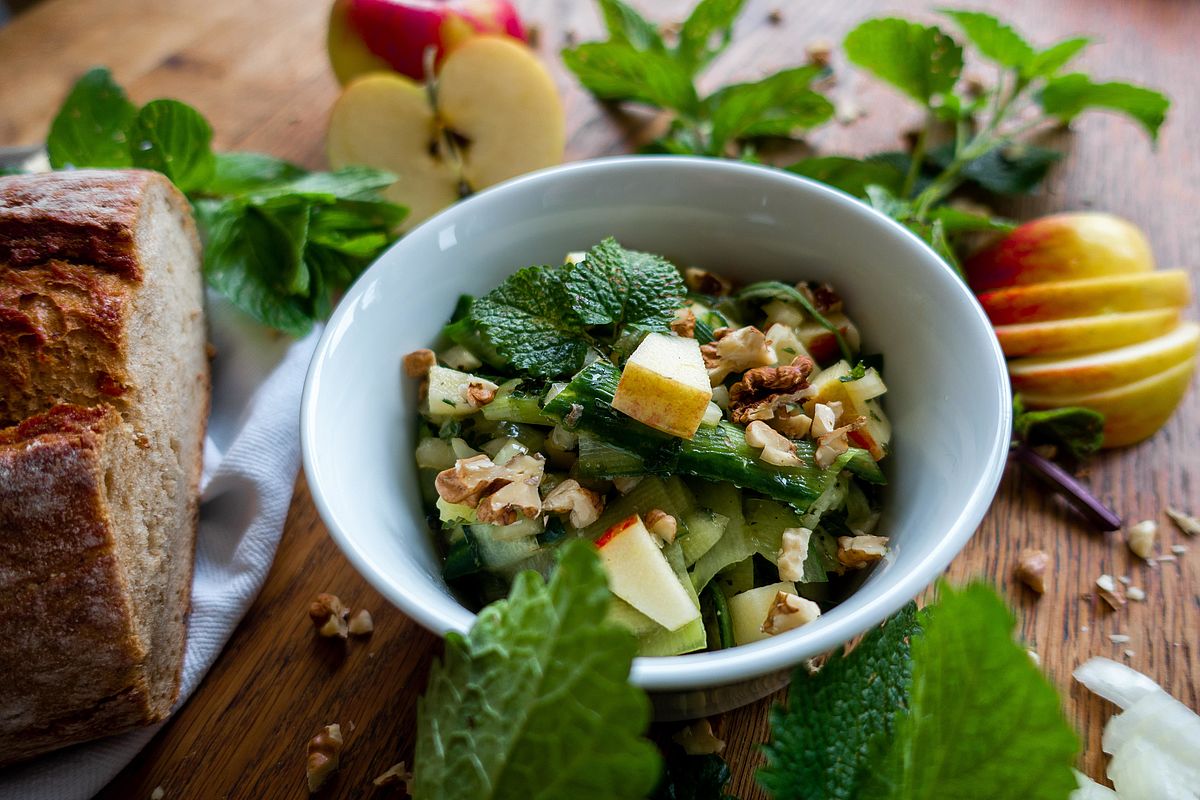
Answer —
(994, 39)
(1053, 58)
(982, 720)
(174, 139)
(619, 71)
(692, 777)
(615, 286)
(239, 173)
(90, 130)
(534, 703)
(1079, 432)
(851, 175)
(919, 60)
(1016, 168)
(775, 106)
(627, 26)
(347, 183)
(956, 221)
(1067, 96)
(709, 19)
(834, 720)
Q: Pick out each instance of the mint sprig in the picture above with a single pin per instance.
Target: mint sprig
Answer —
(280, 242)
(534, 702)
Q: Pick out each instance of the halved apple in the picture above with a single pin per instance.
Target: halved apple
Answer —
(1087, 297)
(497, 115)
(1084, 334)
(1098, 372)
(1131, 412)
(639, 574)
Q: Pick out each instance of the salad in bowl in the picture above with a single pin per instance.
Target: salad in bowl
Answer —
(719, 444)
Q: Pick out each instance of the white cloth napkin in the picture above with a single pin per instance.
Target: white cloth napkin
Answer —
(251, 455)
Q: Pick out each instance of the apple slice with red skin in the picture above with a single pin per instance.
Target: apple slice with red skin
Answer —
(639, 574)
(1087, 297)
(1085, 334)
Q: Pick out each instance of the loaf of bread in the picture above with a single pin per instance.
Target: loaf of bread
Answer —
(103, 401)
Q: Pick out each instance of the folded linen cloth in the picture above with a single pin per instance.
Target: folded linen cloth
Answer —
(251, 456)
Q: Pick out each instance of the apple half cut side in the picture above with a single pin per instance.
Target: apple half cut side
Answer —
(1098, 372)
(639, 574)
(1131, 412)
(1085, 334)
(1087, 297)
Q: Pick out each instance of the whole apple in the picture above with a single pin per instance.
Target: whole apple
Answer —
(374, 35)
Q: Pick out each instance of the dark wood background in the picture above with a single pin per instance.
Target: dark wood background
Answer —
(258, 71)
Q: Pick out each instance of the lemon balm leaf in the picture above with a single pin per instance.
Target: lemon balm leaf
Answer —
(90, 128)
(994, 39)
(615, 286)
(919, 60)
(534, 703)
(1067, 96)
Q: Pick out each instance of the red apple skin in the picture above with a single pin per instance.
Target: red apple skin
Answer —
(1061, 247)
(373, 35)
(616, 530)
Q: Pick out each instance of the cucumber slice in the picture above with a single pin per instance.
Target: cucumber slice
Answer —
(462, 559)
(497, 554)
(650, 493)
(601, 459)
(737, 578)
(704, 529)
(513, 405)
(451, 513)
(766, 521)
(654, 639)
(861, 464)
(734, 545)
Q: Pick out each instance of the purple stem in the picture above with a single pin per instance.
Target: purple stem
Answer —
(1074, 492)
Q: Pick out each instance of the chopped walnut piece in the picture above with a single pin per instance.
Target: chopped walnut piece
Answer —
(1110, 591)
(468, 480)
(824, 419)
(361, 623)
(776, 449)
(661, 524)
(394, 775)
(1141, 536)
(584, 505)
(793, 553)
(329, 615)
(789, 611)
(478, 394)
(822, 295)
(792, 424)
(736, 351)
(1186, 524)
(418, 362)
(819, 52)
(705, 282)
(684, 323)
(517, 498)
(1031, 569)
(857, 552)
(324, 754)
(1135, 593)
(698, 739)
(763, 390)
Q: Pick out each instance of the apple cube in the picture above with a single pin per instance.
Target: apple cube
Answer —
(868, 387)
(821, 343)
(448, 392)
(785, 343)
(664, 385)
(639, 574)
(827, 386)
(748, 611)
(876, 434)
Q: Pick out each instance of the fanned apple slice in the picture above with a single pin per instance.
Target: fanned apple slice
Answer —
(1084, 334)
(1086, 297)
(496, 95)
(385, 121)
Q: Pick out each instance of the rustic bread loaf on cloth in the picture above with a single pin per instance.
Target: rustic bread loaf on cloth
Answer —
(104, 391)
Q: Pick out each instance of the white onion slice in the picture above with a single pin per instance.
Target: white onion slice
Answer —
(1090, 790)
(1115, 682)
(1141, 771)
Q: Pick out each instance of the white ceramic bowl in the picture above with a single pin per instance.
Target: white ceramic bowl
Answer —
(948, 393)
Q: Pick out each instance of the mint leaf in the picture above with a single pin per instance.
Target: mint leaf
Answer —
(995, 40)
(774, 106)
(238, 173)
(851, 175)
(90, 129)
(692, 777)
(529, 321)
(174, 139)
(1055, 57)
(618, 71)
(982, 721)
(1015, 168)
(347, 183)
(615, 286)
(1077, 431)
(956, 221)
(919, 60)
(834, 720)
(534, 703)
(1067, 96)
(709, 19)
(627, 26)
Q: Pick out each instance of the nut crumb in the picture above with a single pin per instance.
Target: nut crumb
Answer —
(418, 362)
(395, 774)
(1135, 593)
(1125, 579)
(478, 394)
(328, 614)
(787, 612)
(775, 17)
(1179, 549)
(158, 793)
(361, 624)
(698, 739)
(1034, 657)
(1110, 591)
(1031, 569)
(1130, 654)
(859, 551)
(793, 553)
(684, 323)
(324, 754)
(662, 525)
(819, 52)
(1083, 628)
(1185, 522)
(1118, 638)
(705, 282)
(1141, 536)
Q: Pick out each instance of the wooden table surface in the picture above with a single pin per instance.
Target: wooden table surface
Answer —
(258, 71)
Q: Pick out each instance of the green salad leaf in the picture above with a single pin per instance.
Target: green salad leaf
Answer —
(535, 702)
(851, 175)
(616, 70)
(919, 60)
(709, 19)
(995, 40)
(172, 138)
(774, 106)
(1067, 96)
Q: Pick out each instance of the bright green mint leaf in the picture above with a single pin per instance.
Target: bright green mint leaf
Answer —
(775, 106)
(238, 173)
(1016, 168)
(347, 183)
(619, 287)
(995, 40)
(955, 221)
(834, 720)
(1067, 96)
(530, 322)
(1079, 432)
(91, 128)
(1053, 58)
(619, 71)
(851, 175)
(534, 703)
(709, 19)
(919, 60)
(174, 139)
(982, 720)
(692, 777)
(627, 26)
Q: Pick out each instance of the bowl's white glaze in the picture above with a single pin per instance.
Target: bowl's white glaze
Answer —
(948, 393)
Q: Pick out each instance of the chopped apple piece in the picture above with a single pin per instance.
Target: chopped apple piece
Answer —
(868, 387)
(639, 574)
(784, 342)
(448, 392)
(1087, 297)
(664, 385)
(1085, 334)
(820, 342)
(827, 386)
(876, 434)
(749, 610)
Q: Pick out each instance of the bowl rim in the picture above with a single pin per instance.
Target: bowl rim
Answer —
(724, 667)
